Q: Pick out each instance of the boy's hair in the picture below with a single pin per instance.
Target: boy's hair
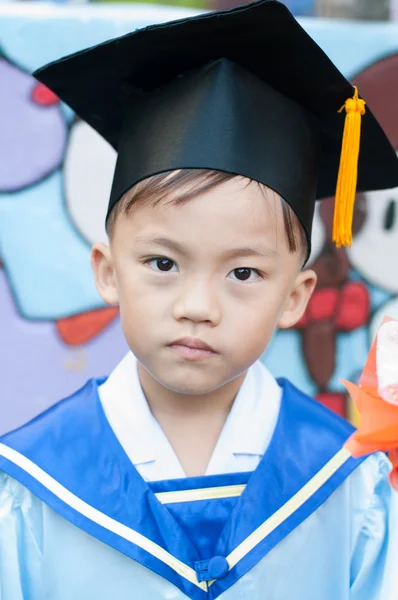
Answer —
(184, 185)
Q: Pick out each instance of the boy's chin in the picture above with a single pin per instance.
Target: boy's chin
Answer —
(190, 387)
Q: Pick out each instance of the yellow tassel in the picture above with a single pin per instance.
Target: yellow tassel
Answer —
(348, 171)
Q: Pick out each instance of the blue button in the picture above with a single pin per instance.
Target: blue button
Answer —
(218, 567)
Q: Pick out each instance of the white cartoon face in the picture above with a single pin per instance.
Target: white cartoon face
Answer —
(318, 235)
(374, 251)
(89, 165)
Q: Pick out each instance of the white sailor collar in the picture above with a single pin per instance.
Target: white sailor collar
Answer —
(243, 440)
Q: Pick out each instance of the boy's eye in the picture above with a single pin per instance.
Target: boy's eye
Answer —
(245, 274)
(162, 264)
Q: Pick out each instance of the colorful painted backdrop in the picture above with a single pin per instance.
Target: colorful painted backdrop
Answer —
(55, 174)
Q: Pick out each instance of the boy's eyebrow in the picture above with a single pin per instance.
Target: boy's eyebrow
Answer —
(252, 251)
(162, 241)
(166, 242)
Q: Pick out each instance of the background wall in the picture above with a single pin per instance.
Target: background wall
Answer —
(55, 174)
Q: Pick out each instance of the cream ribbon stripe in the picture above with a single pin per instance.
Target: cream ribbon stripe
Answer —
(227, 491)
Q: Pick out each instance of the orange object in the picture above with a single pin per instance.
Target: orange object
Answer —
(378, 429)
(81, 328)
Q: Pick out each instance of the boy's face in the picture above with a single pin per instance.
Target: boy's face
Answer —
(213, 271)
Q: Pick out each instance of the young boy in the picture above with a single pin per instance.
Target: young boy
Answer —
(191, 472)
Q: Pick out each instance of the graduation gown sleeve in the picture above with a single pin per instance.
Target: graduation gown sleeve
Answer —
(390, 579)
(373, 551)
(20, 541)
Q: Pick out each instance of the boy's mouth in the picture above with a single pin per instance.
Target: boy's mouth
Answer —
(192, 348)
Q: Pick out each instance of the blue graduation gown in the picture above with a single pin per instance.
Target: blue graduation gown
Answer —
(78, 521)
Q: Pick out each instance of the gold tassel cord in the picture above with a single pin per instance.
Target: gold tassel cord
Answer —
(348, 171)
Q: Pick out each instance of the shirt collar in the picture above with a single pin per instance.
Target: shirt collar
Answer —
(252, 419)
(247, 430)
(128, 413)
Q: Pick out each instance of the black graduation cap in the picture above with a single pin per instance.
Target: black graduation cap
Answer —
(245, 91)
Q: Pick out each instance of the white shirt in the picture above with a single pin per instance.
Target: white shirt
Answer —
(243, 440)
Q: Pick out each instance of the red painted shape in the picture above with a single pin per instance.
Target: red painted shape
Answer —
(354, 307)
(43, 96)
(323, 304)
(336, 401)
(82, 328)
(302, 323)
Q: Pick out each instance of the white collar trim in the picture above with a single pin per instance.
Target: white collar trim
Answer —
(247, 430)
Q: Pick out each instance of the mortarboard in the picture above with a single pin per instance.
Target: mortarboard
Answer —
(245, 91)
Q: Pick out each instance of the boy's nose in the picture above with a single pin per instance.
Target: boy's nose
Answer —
(198, 303)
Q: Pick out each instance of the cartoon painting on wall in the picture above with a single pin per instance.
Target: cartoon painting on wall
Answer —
(55, 177)
(54, 328)
(358, 286)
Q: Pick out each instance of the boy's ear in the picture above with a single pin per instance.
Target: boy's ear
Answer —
(298, 299)
(104, 273)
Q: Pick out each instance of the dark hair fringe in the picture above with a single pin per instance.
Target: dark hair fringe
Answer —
(183, 185)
